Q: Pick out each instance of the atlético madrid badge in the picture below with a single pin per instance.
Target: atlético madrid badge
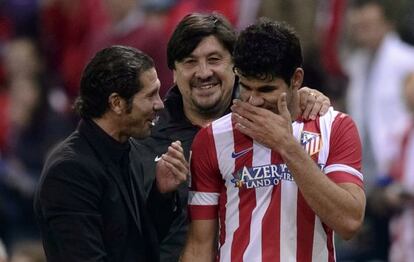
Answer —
(311, 142)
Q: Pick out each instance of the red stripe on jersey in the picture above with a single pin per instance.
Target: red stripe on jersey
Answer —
(247, 199)
(305, 229)
(305, 215)
(208, 179)
(202, 212)
(345, 146)
(222, 215)
(342, 177)
(329, 243)
(271, 223)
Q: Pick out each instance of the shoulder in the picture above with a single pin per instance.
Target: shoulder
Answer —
(333, 117)
(72, 155)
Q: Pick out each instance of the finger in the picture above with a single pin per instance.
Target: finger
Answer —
(175, 151)
(177, 146)
(244, 122)
(324, 102)
(325, 106)
(303, 97)
(244, 109)
(178, 162)
(282, 107)
(179, 175)
(246, 131)
(316, 108)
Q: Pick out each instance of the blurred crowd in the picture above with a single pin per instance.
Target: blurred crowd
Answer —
(358, 52)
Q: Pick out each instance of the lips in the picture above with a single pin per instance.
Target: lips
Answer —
(205, 83)
(154, 120)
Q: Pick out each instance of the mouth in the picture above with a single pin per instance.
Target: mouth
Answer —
(155, 120)
(207, 88)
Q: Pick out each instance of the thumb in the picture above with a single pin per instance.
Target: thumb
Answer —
(282, 107)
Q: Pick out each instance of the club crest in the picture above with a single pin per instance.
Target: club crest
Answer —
(311, 142)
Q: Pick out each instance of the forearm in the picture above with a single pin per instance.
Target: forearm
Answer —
(201, 241)
(340, 207)
(194, 252)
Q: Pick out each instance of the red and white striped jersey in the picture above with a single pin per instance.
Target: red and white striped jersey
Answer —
(262, 214)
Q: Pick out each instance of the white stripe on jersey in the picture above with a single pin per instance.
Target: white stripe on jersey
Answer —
(344, 168)
(203, 198)
(325, 124)
(288, 212)
(320, 248)
(261, 156)
(224, 141)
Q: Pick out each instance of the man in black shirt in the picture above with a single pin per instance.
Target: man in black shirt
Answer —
(89, 205)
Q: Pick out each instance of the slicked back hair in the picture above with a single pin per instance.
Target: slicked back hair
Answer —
(115, 69)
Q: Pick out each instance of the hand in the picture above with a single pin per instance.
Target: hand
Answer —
(172, 168)
(312, 102)
(262, 125)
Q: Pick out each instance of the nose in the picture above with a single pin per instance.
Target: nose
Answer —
(255, 100)
(203, 70)
(158, 104)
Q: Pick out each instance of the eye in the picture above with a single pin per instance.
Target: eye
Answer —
(214, 59)
(189, 61)
(242, 86)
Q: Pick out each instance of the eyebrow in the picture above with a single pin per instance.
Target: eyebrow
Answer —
(260, 88)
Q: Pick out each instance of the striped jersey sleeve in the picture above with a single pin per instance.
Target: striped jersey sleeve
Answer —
(345, 155)
(205, 177)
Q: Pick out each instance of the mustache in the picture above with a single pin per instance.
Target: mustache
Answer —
(198, 82)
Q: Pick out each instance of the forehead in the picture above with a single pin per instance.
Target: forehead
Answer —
(149, 80)
(367, 13)
(209, 45)
(257, 83)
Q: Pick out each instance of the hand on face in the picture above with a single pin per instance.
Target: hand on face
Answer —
(312, 103)
(263, 125)
(172, 169)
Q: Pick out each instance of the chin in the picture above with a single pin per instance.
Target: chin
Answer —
(143, 134)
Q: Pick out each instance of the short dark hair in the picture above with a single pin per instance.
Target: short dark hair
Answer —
(192, 29)
(267, 49)
(115, 69)
(391, 9)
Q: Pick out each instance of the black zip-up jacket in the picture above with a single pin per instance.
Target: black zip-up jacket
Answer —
(173, 125)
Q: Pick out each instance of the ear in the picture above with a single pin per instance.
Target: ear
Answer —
(297, 78)
(117, 104)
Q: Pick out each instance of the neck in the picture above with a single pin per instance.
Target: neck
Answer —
(204, 119)
(110, 127)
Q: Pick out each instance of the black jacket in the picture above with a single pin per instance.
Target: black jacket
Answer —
(86, 209)
(172, 126)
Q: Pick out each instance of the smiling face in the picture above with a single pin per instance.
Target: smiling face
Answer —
(205, 78)
(265, 93)
(137, 120)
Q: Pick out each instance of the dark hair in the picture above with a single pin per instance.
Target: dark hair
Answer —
(391, 9)
(114, 69)
(266, 50)
(192, 29)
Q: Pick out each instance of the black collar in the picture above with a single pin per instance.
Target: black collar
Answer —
(106, 145)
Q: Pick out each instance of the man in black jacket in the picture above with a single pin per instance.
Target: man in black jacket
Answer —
(88, 204)
(199, 53)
